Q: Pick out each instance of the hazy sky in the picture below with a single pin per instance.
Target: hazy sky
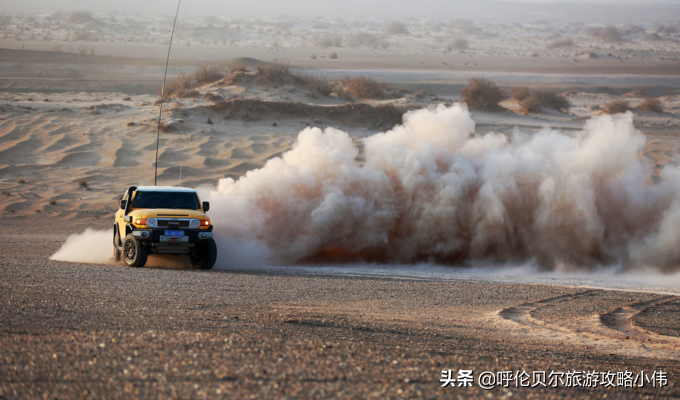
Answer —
(513, 10)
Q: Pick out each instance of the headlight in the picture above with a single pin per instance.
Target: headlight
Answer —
(194, 224)
(152, 222)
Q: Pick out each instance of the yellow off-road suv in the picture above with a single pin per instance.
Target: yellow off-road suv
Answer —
(163, 220)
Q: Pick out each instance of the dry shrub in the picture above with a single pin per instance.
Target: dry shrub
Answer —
(551, 100)
(457, 44)
(238, 67)
(53, 202)
(317, 84)
(327, 41)
(21, 180)
(610, 35)
(483, 94)
(273, 70)
(396, 28)
(6, 193)
(213, 97)
(178, 85)
(652, 104)
(362, 87)
(83, 183)
(333, 56)
(616, 107)
(531, 104)
(560, 43)
(207, 74)
(520, 93)
(190, 94)
(362, 39)
(80, 18)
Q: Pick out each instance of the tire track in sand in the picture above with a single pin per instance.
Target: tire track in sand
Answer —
(607, 331)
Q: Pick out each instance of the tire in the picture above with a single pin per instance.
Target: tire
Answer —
(116, 249)
(134, 252)
(204, 254)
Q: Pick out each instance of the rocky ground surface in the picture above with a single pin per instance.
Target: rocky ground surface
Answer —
(71, 330)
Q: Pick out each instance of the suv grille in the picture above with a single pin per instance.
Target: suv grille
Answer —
(167, 223)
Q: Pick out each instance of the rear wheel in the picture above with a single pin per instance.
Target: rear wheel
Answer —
(134, 252)
(204, 254)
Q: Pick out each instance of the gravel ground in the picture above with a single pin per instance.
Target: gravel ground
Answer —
(71, 330)
(662, 318)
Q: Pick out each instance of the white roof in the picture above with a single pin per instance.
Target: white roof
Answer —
(164, 189)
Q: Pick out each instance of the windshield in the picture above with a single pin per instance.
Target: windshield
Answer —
(179, 200)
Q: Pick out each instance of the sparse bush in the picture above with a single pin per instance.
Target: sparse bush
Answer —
(651, 104)
(333, 56)
(207, 74)
(483, 94)
(6, 193)
(396, 28)
(213, 97)
(238, 67)
(616, 107)
(362, 39)
(362, 87)
(21, 180)
(53, 202)
(83, 183)
(457, 44)
(551, 100)
(520, 93)
(531, 104)
(560, 43)
(327, 41)
(178, 85)
(610, 35)
(313, 57)
(273, 70)
(318, 84)
(190, 94)
(82, 50)
(80, 18)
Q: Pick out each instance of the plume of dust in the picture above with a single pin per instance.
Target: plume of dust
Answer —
(432, 191)
(96, 246)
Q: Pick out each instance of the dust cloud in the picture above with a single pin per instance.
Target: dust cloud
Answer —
(433, 191)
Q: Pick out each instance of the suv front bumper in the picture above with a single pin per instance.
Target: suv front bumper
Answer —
(162, 244)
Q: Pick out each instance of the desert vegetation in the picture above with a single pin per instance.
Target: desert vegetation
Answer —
(362, 87)
(616, 107)
(610, 34)
(651, 104)
(483, 94)
(362, 39)
(457, 44)
(396, 28)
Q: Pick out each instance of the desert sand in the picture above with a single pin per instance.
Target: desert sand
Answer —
(78, 118)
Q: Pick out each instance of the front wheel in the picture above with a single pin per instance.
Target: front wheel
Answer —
(134, 252)
(204, 254)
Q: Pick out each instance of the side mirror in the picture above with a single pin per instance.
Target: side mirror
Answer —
(206, 206)
(123, 204)
(127, 218)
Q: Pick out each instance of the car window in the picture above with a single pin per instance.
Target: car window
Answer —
(178, 200)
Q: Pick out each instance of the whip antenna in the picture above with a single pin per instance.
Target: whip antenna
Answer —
(160, 112)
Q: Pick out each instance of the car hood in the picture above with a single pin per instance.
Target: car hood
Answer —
(167, 213)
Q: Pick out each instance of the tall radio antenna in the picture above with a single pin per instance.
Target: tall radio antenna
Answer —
(160, 112)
